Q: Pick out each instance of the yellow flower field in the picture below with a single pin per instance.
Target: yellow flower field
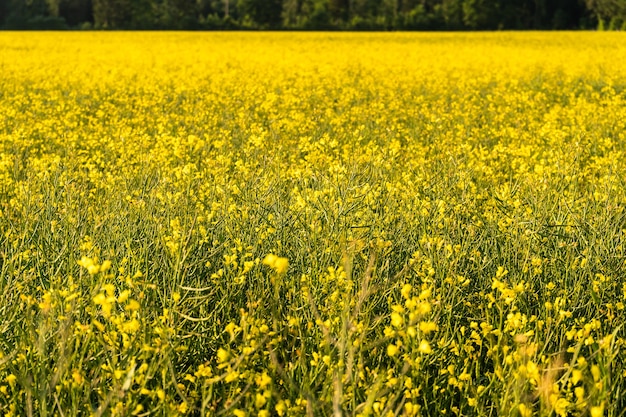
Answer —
(280, 224)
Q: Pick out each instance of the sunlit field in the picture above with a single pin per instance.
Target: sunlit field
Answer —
(312, 224)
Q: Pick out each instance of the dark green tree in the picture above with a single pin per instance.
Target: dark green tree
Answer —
(174, 14)
(452, 13)
(314, 14)
(480, 14)
(112, 14)
(76, 12)
(610, 14)
(32, 14)
(3, 11)
(339, 10)
(264, 13)
(292, 13)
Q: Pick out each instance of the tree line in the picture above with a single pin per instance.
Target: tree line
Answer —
(313, 14)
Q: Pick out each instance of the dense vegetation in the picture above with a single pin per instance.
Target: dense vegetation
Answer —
(312, 224)
(313, 14)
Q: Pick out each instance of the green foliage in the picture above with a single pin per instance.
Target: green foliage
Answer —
(611, 14)
(264, 13)
(313, 14)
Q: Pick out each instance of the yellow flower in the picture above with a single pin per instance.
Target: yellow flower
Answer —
(132, 305)
(77, 377)
(277, 263)
(123, 296)
(89, 264)
(263, 380)
(281, 265)
(392, 350)
(46, 302)
(396, 319)
(10, 379)
(259, 400)
(561, 406)
(525, 411)
(281, 408)
(425, 294)
(597, 411)
(595, 372)
(411, 409)
(106, 265)
(579, 392)
(424, 347)
(424, 308)
(222, 355)
(428, 326)
(406, 291)
(131, 326)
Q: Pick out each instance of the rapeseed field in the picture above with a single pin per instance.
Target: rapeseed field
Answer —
(312, 224)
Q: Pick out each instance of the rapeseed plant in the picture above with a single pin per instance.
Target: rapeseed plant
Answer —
(312, 224)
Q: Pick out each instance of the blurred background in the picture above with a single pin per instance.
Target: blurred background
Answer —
(313, 14)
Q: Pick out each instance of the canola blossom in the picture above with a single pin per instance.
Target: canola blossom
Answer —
(261, 224)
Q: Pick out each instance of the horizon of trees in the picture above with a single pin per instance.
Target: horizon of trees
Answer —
(313, 14)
